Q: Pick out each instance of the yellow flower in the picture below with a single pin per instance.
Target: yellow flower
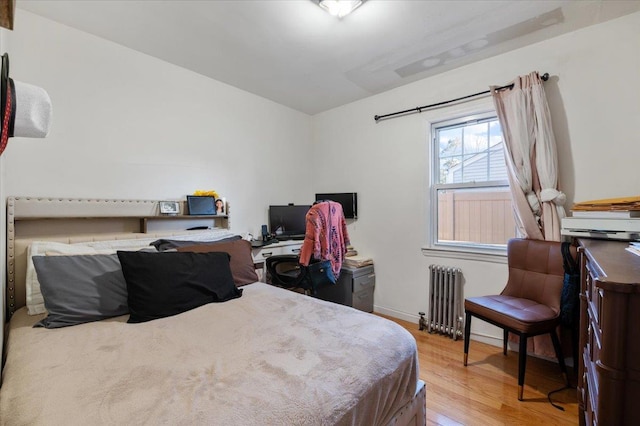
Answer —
(209, 193)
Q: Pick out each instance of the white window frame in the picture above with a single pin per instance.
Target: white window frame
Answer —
(471, 111)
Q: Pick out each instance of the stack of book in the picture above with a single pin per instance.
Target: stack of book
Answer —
(621, 208)
(634, 247)
(612, 218)
(351, 251)
(357, 261)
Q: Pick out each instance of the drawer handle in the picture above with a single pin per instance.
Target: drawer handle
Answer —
(267, 254)
(295, 251)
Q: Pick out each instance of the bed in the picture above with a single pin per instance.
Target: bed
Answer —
(266, 357)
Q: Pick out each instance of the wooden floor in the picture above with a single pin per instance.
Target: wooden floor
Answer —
(485, 392)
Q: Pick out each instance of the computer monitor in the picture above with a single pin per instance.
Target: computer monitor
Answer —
(288, 222)
(349, 201)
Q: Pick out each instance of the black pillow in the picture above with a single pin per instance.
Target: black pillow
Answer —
(164, 244)
(164, 284)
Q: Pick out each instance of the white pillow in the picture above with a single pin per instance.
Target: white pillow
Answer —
(35, 301)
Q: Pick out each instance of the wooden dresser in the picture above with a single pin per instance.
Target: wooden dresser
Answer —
(609, 368)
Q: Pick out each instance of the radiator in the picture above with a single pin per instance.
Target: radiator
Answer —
(445, 301)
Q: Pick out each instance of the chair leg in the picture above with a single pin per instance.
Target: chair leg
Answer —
(505, 339)
(467, 335)
(558, 349)
(522, 363)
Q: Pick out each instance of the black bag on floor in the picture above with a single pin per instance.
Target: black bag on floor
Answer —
(320, 274)
(569, 302)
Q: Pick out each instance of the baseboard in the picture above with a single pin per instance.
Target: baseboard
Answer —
(396, 314)
(484, 338)
(478, 337)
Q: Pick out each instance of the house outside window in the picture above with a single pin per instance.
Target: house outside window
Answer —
(470, 194)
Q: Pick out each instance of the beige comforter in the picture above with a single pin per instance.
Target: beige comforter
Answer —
(271, 357)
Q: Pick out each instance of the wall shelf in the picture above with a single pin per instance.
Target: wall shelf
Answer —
(77, 215)
(219, 221)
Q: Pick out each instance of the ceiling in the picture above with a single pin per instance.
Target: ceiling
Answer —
(296, 54)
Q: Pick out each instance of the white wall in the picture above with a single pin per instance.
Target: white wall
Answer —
(127, 125)
(594, 97)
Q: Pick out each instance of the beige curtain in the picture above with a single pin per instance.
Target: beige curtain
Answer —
(531, 158)
(532, 167)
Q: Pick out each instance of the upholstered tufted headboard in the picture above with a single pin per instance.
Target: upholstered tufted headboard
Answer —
(74, 221)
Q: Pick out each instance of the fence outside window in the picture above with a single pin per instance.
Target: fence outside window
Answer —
(469, 184)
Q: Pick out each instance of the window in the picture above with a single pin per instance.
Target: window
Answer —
(470, 193)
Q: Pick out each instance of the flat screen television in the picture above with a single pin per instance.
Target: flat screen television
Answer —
(288, 222)
(349, 201)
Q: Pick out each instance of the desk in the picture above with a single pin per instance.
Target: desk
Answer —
(259, 254)
(354, 288)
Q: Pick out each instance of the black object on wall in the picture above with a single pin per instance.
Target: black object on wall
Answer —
(349, 201)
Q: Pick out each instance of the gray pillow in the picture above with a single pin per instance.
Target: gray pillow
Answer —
(82, 288)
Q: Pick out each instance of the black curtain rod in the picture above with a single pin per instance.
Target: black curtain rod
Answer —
(544, 77)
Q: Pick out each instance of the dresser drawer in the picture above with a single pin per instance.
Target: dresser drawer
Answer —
(364, 282)
(594, 340)
(594, 295)
(263, 253)
(591, 392)
(287, 247)
(363, 300)
(295, 249)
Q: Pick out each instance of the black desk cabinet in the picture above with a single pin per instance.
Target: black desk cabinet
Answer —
(354, 288)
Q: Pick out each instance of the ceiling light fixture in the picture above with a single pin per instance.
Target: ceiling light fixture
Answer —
(339, 8)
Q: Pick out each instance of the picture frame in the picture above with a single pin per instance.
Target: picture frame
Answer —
(169, 207)
(221, 206)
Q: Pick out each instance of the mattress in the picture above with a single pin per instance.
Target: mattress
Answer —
(269, 357)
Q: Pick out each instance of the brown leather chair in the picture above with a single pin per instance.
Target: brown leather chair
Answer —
(529, 305)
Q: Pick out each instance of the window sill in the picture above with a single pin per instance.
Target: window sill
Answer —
(456, 253)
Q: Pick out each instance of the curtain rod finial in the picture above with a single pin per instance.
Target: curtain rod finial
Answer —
(545, 76)
(376, 117)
